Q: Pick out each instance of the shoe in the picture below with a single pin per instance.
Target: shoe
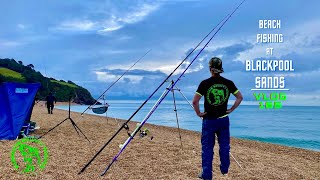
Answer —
(200, 177)
(224, 173)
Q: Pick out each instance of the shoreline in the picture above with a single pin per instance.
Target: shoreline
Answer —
(256, 139)
(245, 103)
(160, 158)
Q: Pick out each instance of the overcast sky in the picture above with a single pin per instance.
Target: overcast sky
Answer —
(93, 42)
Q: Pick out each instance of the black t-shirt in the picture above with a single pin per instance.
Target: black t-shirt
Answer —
(50, 99)
(216, 92)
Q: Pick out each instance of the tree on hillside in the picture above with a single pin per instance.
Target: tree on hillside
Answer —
(70, 82)
(30, 66)
(13, 60)
(20, 62)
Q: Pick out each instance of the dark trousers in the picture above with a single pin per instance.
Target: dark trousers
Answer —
(50, 107)
(210, 128)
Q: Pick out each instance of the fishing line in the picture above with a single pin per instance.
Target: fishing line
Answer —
(115, 82)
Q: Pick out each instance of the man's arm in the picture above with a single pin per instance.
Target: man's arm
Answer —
(196, 107)
(239, 98)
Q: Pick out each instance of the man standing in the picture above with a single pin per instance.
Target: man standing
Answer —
(216, 91)
(50, 102)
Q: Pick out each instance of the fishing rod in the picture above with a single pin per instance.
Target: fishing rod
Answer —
(163, 96)
(124, 125)
(116, 81)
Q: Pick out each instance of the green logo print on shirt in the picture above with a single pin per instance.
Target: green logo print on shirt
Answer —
(217, 94)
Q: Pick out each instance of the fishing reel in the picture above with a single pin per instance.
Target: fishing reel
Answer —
(126, 127)
(144, 133)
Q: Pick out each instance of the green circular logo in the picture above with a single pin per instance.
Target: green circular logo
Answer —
(29, 155)
(217, 94)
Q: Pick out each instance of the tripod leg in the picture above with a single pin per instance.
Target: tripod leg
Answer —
(236, 160)
(185, 97)
(52, 128)
(175, 110)
(75, 125)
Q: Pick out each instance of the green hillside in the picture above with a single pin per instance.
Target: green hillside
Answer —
(12, 74)
(64, 83)
(13, 71)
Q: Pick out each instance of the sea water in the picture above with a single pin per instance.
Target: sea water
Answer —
(294, 126)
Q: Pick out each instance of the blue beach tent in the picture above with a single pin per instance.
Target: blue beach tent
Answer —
(16, 104)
